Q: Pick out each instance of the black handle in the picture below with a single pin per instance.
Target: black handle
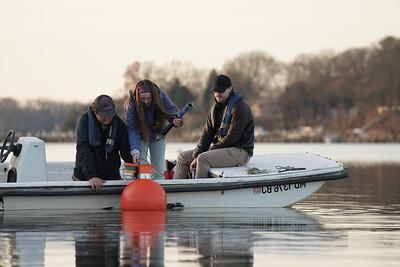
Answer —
(167, 129)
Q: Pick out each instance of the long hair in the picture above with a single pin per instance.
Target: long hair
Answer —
(160, 114)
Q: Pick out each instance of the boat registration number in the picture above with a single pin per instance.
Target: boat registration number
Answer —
(277, 188)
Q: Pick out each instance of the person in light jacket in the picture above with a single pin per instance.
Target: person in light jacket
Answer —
(147, 112)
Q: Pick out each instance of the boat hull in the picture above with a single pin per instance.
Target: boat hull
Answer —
(280, 195)
(271, 196)
(278, 180)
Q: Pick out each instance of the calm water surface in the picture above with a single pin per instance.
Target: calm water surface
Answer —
(349, 222)
(355, 153)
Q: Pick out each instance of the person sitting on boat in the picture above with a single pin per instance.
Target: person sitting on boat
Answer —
(227, 139)
(147, 112)
(101, 141)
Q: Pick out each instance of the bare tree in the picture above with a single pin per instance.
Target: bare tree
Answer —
(256, 73)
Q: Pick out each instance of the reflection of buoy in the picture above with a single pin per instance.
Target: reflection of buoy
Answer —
(145, 231)
(143, 194)
(144, 221)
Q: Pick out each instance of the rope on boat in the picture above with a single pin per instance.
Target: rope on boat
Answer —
(288, 168)
(175, 206)
(254, 170)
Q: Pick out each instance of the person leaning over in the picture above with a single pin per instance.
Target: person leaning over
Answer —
(227, 138)
(101, 141)
(147, 112)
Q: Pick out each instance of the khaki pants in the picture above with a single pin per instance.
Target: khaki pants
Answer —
(218, 158)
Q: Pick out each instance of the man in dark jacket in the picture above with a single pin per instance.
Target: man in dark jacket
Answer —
(227, 139)
(101, 141)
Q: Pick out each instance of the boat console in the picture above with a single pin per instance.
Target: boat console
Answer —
(28, 160)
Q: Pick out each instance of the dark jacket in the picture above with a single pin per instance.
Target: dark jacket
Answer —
(240, 132)
(93, 161)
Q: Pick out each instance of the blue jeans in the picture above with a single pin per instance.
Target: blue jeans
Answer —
(157, 156)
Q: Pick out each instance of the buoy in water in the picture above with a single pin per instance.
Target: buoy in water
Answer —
(143, 194)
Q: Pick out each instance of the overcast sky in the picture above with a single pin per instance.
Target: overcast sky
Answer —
(74, 50)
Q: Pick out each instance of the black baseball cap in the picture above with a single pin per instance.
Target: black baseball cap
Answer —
(221, 83)
(104, 106)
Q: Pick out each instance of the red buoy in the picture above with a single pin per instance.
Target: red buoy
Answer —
(143, 194)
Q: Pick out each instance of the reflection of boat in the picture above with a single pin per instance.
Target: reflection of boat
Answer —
(201, 235)
(288, 219)
(229, 236)
(69, 238)
(53, 220)
(277, 180)
(266, 219)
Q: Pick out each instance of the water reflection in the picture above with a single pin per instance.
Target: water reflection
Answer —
(141, 238)
(97, 245)
(75, 238)
(354, 220)
(226, 236)
(366, 185)
(144, 244)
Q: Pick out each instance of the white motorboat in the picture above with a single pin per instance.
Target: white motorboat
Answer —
(28, 182)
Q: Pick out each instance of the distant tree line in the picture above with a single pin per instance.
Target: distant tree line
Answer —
(336, 92)
(341, 91)
(38, 116)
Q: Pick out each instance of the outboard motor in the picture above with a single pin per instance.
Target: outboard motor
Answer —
(28, 162)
